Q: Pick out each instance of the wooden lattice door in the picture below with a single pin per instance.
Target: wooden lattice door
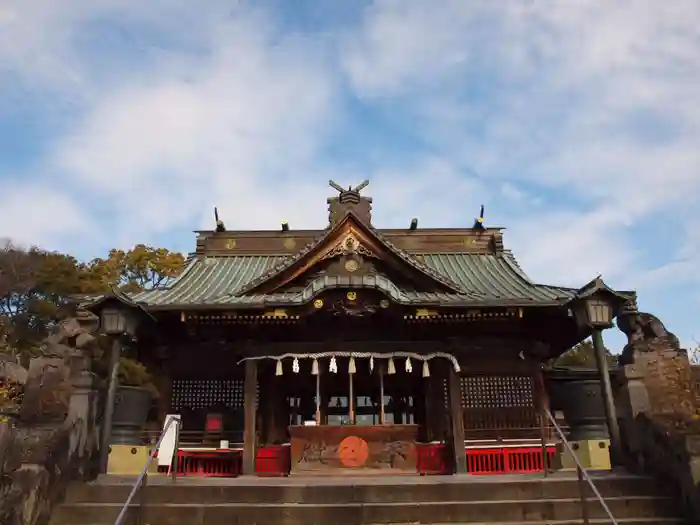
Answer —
(499, 407)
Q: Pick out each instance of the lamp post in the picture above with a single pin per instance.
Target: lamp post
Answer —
(115, 322)
(597, 312)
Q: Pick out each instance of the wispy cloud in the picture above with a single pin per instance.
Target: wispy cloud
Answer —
(576, 123)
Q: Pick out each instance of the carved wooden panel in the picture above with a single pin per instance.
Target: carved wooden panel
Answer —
(380, 449)
(445, 241)
(258, 243)
(279, 242)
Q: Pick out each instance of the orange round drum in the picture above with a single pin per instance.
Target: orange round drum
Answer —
(353, 451)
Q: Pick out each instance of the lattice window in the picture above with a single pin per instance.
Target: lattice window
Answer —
(207, 393)
(483, 391)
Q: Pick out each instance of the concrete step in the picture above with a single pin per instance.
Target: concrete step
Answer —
(198, 491)
(596, 521)
(507, 512)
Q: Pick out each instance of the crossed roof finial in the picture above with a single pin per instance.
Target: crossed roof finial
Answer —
(343, 191)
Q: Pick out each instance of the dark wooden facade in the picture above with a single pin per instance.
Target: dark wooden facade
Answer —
(354, 293)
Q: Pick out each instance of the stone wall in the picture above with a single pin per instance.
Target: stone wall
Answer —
(658, 408)
(52, 437)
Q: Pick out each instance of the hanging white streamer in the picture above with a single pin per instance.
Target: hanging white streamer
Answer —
(361, 355)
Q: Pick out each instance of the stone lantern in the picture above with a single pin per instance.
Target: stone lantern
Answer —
(119, 321)
(594, 309)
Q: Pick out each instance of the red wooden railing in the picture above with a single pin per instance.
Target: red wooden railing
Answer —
(270, 461)
(507, 460)
(431, 459)
(435, 458)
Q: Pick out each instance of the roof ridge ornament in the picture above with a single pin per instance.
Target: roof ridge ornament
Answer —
(479, 221)
(349, 200)
(220, 226)
(351, 195)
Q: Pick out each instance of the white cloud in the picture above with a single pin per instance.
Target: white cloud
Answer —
(35, 215)
(158, 147)
(554, 93)
(571, 121)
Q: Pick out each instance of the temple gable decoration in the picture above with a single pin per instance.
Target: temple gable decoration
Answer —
(352, 240)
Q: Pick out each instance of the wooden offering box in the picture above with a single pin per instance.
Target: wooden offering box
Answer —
(352, 449)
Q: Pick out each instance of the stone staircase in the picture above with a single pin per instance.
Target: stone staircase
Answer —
(504, 500)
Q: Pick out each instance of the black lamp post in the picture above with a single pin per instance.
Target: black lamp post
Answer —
(596, 312)
(116, 322)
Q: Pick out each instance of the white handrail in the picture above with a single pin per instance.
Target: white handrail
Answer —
(139, 480)
(580, 467)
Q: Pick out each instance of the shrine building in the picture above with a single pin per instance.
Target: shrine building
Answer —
(354, 348)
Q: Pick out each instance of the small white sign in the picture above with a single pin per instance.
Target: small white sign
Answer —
(167, 445)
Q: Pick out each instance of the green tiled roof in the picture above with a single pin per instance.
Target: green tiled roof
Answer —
(218, 281)
(494, 277)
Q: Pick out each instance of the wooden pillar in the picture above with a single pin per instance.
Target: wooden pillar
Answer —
(541, 407)
(434, 405)
(429, 412)
(249, 409)
(457, 412)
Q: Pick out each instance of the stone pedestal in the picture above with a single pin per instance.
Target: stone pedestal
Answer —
(127, 460)
(593, 454)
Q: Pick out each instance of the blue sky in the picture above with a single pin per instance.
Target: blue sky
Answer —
(577, 124)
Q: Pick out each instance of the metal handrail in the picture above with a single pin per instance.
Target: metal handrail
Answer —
(139, 480)
(582, 474)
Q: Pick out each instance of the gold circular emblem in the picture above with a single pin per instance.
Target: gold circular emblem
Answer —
(384, 303)
(230, 244)
(351, 296)
(351, 265)
(289, 244)
(318, 303)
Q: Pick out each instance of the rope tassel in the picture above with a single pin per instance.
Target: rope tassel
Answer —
(279, 371)
(389, 356)
(351, 366)
(426, 369)
(314, 367)
(409, 366)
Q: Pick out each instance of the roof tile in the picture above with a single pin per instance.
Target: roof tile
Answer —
(218, 281)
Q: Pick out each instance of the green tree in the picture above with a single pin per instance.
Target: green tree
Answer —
(37, 286)
(582, 355)
(141, 268)
(35, 290)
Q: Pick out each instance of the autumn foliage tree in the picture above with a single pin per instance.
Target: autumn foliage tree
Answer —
(37, 285)
(141, 268)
